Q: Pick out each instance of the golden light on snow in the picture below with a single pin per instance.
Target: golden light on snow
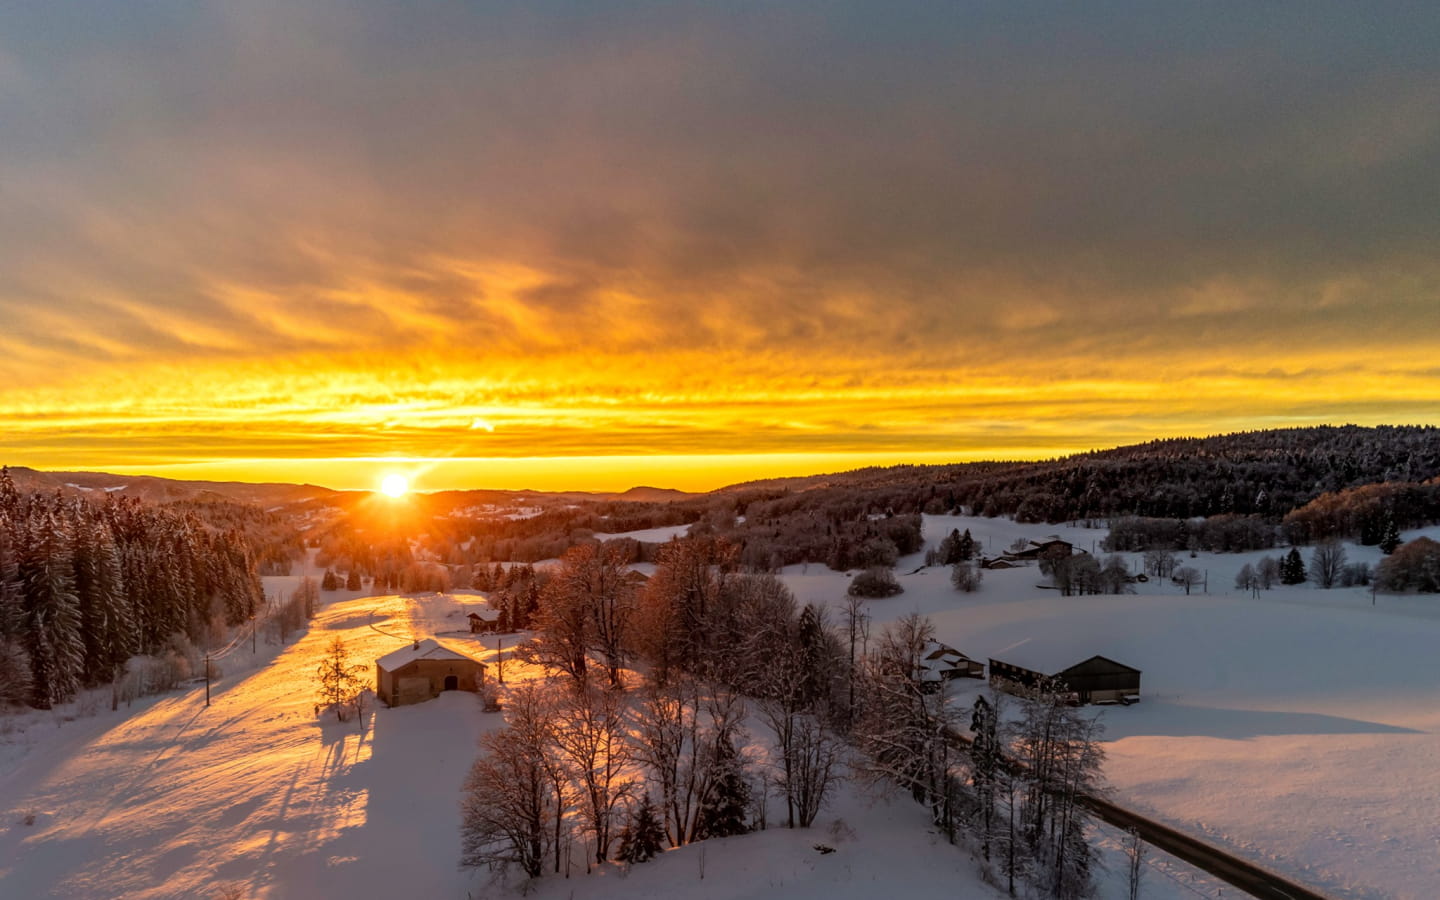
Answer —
(394, 485)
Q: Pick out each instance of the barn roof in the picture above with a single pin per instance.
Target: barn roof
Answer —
(484, 614)
(1053, 656)
(426, 649)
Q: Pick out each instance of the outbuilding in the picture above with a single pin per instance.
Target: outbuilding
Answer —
(940, 663)
(423, 670)
(484, 620)
(1098, 679)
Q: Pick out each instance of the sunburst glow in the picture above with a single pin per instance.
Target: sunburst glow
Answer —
(394, 485)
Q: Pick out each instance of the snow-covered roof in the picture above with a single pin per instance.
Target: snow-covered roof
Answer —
(426, 649)
(937, 658)
(484, 614)
(1050, 657)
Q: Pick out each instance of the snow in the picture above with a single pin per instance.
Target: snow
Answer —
(429, 648)
(1300, 729)
(647, 535)
(254, 794)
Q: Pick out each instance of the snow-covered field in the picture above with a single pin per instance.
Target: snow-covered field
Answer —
(1301, 729)
(648, 535)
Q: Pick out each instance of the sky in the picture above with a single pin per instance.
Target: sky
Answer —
(594, 245)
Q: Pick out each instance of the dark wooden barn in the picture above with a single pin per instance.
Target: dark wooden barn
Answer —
(1098, 679)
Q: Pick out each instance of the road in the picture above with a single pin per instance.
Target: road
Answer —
(1234, 871)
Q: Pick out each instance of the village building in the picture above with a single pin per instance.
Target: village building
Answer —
(940, 663)
(1051, 548)
(423, 670)
(484, 620)
(1097, 679)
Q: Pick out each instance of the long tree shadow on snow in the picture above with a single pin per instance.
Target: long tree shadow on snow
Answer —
(1159, 718)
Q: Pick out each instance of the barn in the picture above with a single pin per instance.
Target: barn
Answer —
(1098, 679)
(421, 671)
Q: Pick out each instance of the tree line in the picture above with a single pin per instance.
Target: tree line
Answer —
(85, 586)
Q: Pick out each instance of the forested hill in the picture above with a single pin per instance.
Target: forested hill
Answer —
(1266, 473)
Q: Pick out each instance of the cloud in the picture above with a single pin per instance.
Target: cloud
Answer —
(497, 209)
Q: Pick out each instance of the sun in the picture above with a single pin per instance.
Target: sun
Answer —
(394, 485)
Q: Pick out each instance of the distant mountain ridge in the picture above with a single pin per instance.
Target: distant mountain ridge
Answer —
(1267, 472)
(154, 489)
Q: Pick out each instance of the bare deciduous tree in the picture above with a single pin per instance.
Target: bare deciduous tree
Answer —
(510, 811)
(1327, 562)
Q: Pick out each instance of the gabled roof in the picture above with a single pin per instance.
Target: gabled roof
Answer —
(426, 649)
(484, 614)
(1103, 660)
(937, 658)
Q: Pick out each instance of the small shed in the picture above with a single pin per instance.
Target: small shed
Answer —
(484, 620)
(1098, 679)
(940, 663)
(423, 670)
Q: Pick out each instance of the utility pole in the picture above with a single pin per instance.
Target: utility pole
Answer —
(252, 633)
(207, 679)
(500, 650)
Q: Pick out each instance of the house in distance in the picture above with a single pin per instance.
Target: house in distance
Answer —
(940, 663)
(484, 620)
(423, 670)
(1098, 679)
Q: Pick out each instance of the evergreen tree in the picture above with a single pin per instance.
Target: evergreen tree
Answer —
(9, 579)
(340, 681)
(723, 809)
(1292, 568)
(14, 674)
(985, 765)
(1391, 538)
(966, 545)
(106, 624)
(328, 582)
(643, 836)
(51, 615)
(352, 582)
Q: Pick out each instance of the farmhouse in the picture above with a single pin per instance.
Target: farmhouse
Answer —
(1098, 679)
(484, 620)
(940, 663)
(421, 671)
(1053, 548)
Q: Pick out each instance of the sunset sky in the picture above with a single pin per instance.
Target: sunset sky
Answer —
(595, 245)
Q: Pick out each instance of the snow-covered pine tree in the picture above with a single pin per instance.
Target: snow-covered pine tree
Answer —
(643, 837)
(51, 615)
(1390, 541)
(107, 626)
(9, 578)
(723, 809)
(985, 763)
